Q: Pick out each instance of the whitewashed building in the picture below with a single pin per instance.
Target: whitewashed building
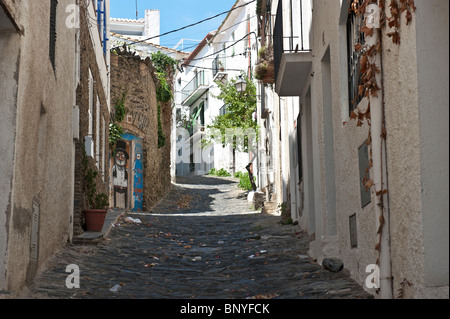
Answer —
(393, 237)
(139, 29)
(222, 55)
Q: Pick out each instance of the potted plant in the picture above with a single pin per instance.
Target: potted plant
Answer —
(95, 215)
(221, 67)
(264, 70)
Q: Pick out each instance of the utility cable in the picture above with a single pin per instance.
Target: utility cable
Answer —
(212, 54)
(194, 45)
(190, 25)
(205, 68)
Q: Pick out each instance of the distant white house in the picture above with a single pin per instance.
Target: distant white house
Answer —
(144, 48)
(222, 55)
(139, 29)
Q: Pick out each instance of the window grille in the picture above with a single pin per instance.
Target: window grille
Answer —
(354, 36)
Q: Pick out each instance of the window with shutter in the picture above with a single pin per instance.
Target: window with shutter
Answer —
(97, 133)
(91, 104)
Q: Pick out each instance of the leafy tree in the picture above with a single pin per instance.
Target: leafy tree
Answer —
(240, 107)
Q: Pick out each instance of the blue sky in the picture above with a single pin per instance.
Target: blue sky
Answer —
(176, 14)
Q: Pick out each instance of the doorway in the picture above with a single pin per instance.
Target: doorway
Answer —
(309, 164)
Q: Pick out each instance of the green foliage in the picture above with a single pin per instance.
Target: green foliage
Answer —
(115, 133)
(115, 129)
(259, 7)
(163, 91)
(244, 181)
(101, 201)
(264, 70)
(163, 62)
(221, 172)
(240, 108)
(120, 108)
(265, 53)
(261, 70)
(239, 174)
(165, 67)
(96, 201)
(161, 136)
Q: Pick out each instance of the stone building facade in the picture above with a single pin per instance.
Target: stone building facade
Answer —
(93, 105)
(146, 171)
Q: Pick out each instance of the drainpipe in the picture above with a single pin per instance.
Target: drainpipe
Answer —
(379, 161)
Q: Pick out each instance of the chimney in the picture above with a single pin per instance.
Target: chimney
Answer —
(152, 25)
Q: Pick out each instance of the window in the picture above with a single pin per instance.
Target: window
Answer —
(91, 104)
(103, 146)
(52, 45)
(233, 40)
(223, 110)
(97, 133)
(354, 36)
(202, 114)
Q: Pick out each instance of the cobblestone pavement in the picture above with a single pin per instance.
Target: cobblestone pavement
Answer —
(203, 241)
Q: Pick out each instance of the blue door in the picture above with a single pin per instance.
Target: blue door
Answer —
(138, 187)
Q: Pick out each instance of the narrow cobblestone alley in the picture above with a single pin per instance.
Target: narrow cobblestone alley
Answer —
(203, 241)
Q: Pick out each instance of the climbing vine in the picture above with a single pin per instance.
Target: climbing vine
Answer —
(397, 7)
(369, 70)
(115, 129)
(165, 69)
(161, 136)
(163, 91)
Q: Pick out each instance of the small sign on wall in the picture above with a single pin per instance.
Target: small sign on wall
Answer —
(353, 232)
(34, 233)
(363, 155)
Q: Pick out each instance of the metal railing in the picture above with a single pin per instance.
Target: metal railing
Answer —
(293, 42)
(218, 64)
(200, 79)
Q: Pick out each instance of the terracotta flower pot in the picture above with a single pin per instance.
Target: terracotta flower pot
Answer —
(94, 219)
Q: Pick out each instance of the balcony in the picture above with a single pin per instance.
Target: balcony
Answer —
(219, 67)
(195, 89)
(292, 61)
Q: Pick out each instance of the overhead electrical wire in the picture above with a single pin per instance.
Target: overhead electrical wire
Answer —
(205, 68)
(240, 22)
(212, 54)
(190, 25)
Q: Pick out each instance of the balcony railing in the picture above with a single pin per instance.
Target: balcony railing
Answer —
(219, 64)
(289, 39)
(195, 88)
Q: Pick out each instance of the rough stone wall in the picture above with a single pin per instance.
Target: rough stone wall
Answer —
(88, 62)
(137, 77)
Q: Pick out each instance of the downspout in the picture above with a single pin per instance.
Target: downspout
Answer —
(379, 160)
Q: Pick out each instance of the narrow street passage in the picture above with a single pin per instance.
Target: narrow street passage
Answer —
(202, 241)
